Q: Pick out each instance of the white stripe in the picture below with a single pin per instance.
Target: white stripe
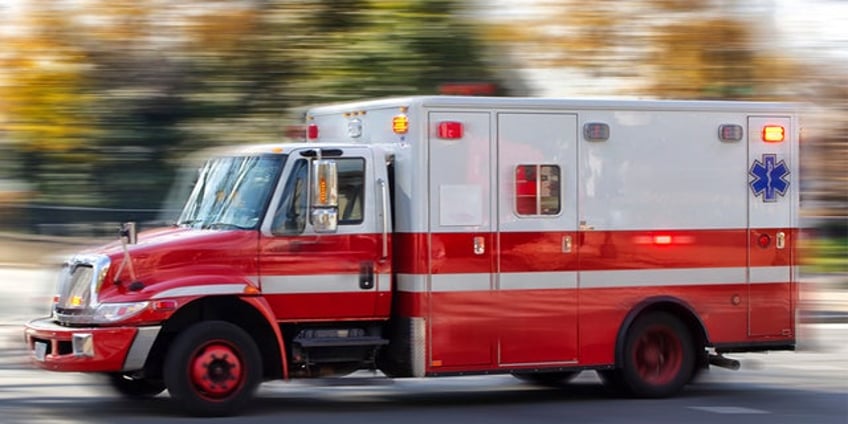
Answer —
(209, 289)
(769, 274)
(460, 282)
(321, 283)
(384, 282)
(412, 283)
(537, 280)
(662, 277)
(418, 283)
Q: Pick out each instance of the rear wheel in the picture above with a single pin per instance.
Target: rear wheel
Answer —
(135, 387)
(547, 378)
(658, 359)
(213, 368)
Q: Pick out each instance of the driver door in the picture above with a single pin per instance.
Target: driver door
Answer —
(309, 276)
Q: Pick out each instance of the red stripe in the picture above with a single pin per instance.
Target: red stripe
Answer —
(482, 330)
(590, 250)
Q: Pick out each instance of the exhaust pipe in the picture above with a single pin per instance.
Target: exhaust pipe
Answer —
(719, 360)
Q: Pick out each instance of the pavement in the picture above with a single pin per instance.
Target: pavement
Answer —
(824, 297)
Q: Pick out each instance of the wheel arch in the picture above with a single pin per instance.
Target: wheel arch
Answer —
(672, 305)
(245, 312)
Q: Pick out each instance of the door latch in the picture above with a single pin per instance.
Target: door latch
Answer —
(479, 245)
(567, 244)
(780, 243)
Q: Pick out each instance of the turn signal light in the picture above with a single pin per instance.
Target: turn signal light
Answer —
(400, 124)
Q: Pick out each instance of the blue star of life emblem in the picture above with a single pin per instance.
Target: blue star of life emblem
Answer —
(769, 177)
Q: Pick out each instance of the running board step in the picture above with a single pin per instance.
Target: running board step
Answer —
(309, 342)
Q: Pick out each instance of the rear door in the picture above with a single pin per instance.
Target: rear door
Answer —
(772, 190)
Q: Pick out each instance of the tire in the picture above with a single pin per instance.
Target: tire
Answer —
(549, 379)
(213, 369)
(135, 388)
(658, 359)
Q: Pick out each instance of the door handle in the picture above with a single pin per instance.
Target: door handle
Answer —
(366, 275)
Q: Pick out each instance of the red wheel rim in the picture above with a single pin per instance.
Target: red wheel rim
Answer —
(217, 370)
(658, 355)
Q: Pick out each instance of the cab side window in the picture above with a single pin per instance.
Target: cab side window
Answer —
(292, 214)
(351, 173)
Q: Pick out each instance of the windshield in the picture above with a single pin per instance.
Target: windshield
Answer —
(232, 192)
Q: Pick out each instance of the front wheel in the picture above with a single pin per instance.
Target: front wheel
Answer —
(658, 358)
(213, 368)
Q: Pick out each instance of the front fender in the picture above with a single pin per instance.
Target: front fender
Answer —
(264, 308)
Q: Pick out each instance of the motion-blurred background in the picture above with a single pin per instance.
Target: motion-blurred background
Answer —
(102, 100)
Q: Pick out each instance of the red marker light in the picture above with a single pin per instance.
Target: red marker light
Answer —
(764, 240)
(164, 305)
(773, 133)
(450, 130)
(662, 240)
(312, 131)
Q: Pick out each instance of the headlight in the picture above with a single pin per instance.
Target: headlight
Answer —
(107, 313)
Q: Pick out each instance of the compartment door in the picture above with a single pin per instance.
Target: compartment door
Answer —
(461, 242)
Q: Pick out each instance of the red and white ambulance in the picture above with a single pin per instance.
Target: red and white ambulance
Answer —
(435, 236)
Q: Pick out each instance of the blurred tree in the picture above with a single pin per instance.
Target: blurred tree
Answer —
(48, 111)
(104, 95)
(703, 49)
(372, 48)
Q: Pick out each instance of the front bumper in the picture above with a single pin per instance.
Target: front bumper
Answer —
(88, 349)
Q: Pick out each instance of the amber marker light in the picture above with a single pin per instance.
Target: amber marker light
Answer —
(774, 133)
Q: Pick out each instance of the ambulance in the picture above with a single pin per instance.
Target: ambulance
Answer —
(447, 235)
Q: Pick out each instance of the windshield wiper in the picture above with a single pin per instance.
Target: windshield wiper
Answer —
(188, 222)
(224, 226)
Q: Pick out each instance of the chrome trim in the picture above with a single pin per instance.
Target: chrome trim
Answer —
(384, 210)
(140, 349)
(83, 345)
(419, 350)
(202, 290)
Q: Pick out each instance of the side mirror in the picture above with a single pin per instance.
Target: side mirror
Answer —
(325, 184)
(324, 206)
(325, 220)
(129, 232)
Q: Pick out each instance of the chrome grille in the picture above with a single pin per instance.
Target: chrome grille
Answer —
(79, 284)
(76, 293)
